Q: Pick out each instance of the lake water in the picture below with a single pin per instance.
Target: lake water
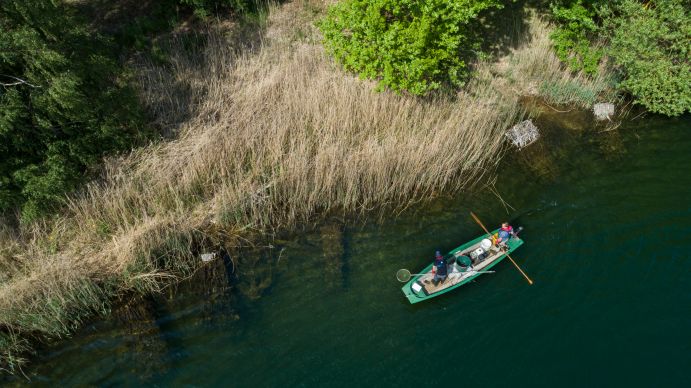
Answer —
(607, 220)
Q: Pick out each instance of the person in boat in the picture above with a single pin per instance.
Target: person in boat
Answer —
(504, 234)
(439, 269)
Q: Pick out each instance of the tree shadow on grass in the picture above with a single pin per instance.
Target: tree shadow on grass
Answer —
(496, 33)
(500, 31)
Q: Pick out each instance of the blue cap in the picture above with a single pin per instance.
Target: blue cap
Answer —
(438, 254)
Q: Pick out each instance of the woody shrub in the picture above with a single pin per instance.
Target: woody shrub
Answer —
(412, 45)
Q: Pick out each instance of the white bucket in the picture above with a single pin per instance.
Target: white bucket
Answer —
(485, 244)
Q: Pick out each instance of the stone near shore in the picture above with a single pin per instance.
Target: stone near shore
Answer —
(603, 111)
(206, 257)
(523, 134)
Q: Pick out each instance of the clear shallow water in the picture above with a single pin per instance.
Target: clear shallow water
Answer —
(607, 228)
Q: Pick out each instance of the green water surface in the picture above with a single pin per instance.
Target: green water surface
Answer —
(607, 238)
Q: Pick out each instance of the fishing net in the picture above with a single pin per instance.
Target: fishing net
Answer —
(403, 275)
(523, 134)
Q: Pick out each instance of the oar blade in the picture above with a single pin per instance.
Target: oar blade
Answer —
(477, 220)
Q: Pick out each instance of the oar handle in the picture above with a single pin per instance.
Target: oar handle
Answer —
(426, 273)
(481, 224)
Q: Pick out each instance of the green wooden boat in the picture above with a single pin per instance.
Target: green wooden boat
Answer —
(463, 267)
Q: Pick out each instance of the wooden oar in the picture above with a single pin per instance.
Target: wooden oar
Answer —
(507, 254)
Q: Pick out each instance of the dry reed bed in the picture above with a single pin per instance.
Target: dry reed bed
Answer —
(279, 136)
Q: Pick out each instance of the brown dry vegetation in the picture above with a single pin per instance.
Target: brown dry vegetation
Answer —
(278, 136)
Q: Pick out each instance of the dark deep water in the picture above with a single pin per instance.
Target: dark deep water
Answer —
(607, 220)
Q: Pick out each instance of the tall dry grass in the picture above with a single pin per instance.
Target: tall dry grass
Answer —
(266, 139)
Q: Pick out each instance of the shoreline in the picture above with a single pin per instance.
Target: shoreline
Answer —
(142, 228)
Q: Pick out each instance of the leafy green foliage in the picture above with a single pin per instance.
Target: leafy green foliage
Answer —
(648, 43)
(63, 105)
(652, 45)
(413, 45)
(572, 38)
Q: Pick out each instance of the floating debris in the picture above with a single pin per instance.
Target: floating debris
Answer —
(523, 134)
(603, 111)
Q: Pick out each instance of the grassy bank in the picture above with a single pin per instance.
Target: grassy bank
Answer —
(269, 137)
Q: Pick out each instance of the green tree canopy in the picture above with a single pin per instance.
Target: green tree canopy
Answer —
(647, 41)
(63, 104)
(651, 44)
(413, 45)
(577, 30)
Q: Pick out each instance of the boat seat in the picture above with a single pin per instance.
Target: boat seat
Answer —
(424, 289)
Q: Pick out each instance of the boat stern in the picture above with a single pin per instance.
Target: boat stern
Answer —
(514, 243)
(413, 291)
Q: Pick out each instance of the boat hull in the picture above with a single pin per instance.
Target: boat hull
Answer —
(425, 290)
